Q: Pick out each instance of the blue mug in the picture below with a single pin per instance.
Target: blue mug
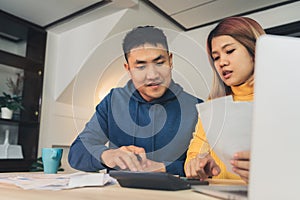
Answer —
(51, 158)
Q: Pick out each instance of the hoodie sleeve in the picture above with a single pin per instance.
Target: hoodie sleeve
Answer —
(86, 150)
(175, 167)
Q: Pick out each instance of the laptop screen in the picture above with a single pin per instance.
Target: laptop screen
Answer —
(275, 163)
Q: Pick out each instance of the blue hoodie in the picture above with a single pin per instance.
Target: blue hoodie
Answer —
(163, 127)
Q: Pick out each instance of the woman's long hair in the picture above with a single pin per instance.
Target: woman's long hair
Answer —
(245, 31)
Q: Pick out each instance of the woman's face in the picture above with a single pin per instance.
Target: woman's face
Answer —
(232, 61)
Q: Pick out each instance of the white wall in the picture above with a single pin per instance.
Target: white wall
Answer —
(84, 61)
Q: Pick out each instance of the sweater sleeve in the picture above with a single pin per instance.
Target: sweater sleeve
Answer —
(199, 144)
(175, 167)
(85, 152)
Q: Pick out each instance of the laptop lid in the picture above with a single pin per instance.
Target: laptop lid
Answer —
(275, 143)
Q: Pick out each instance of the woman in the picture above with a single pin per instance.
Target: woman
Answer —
(231, 49)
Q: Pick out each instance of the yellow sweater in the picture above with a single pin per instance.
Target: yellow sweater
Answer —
(198, 145)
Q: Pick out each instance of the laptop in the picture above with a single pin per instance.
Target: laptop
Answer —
(275, 139)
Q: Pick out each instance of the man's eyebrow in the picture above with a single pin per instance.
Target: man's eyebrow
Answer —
(154, 60)
(158, 58)
(140, 62)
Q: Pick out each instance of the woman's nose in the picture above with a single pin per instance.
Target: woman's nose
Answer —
(223, 62)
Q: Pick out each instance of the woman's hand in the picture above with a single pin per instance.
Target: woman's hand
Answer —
(202, 167)
(241, 164)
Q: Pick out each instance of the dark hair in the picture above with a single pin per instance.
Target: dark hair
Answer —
(142, 35)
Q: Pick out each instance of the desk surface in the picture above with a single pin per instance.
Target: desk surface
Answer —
(111, 192)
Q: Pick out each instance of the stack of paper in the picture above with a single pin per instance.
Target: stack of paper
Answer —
(41, 181)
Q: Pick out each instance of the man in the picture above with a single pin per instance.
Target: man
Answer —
(148, 124)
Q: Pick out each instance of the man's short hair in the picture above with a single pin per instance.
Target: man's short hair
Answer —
(142, 35)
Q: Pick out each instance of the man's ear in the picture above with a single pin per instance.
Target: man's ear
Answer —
(171, 60)
(126, 66)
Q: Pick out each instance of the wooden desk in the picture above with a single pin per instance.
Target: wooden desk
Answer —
(111, 192)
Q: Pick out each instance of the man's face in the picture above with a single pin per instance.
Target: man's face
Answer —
(150, 70)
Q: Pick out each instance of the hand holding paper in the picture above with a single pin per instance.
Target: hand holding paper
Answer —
(241, 164)
(227, 125)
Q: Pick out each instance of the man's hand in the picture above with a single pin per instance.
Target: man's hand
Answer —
(241, 164)
(202, 167)
(152, 166)
(126, 157)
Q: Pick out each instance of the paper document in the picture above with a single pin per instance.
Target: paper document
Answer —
(41, 181)
(227, 125)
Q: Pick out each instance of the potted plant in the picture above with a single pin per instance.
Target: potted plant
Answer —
(9, 104)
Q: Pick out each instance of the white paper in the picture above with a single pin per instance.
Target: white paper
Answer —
(90, 179)
(227, 125)
(41, 181)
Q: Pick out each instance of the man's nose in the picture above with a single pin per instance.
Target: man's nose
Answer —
(152, 72)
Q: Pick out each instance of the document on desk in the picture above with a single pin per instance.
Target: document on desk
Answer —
(227, 125)
(41, 181)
